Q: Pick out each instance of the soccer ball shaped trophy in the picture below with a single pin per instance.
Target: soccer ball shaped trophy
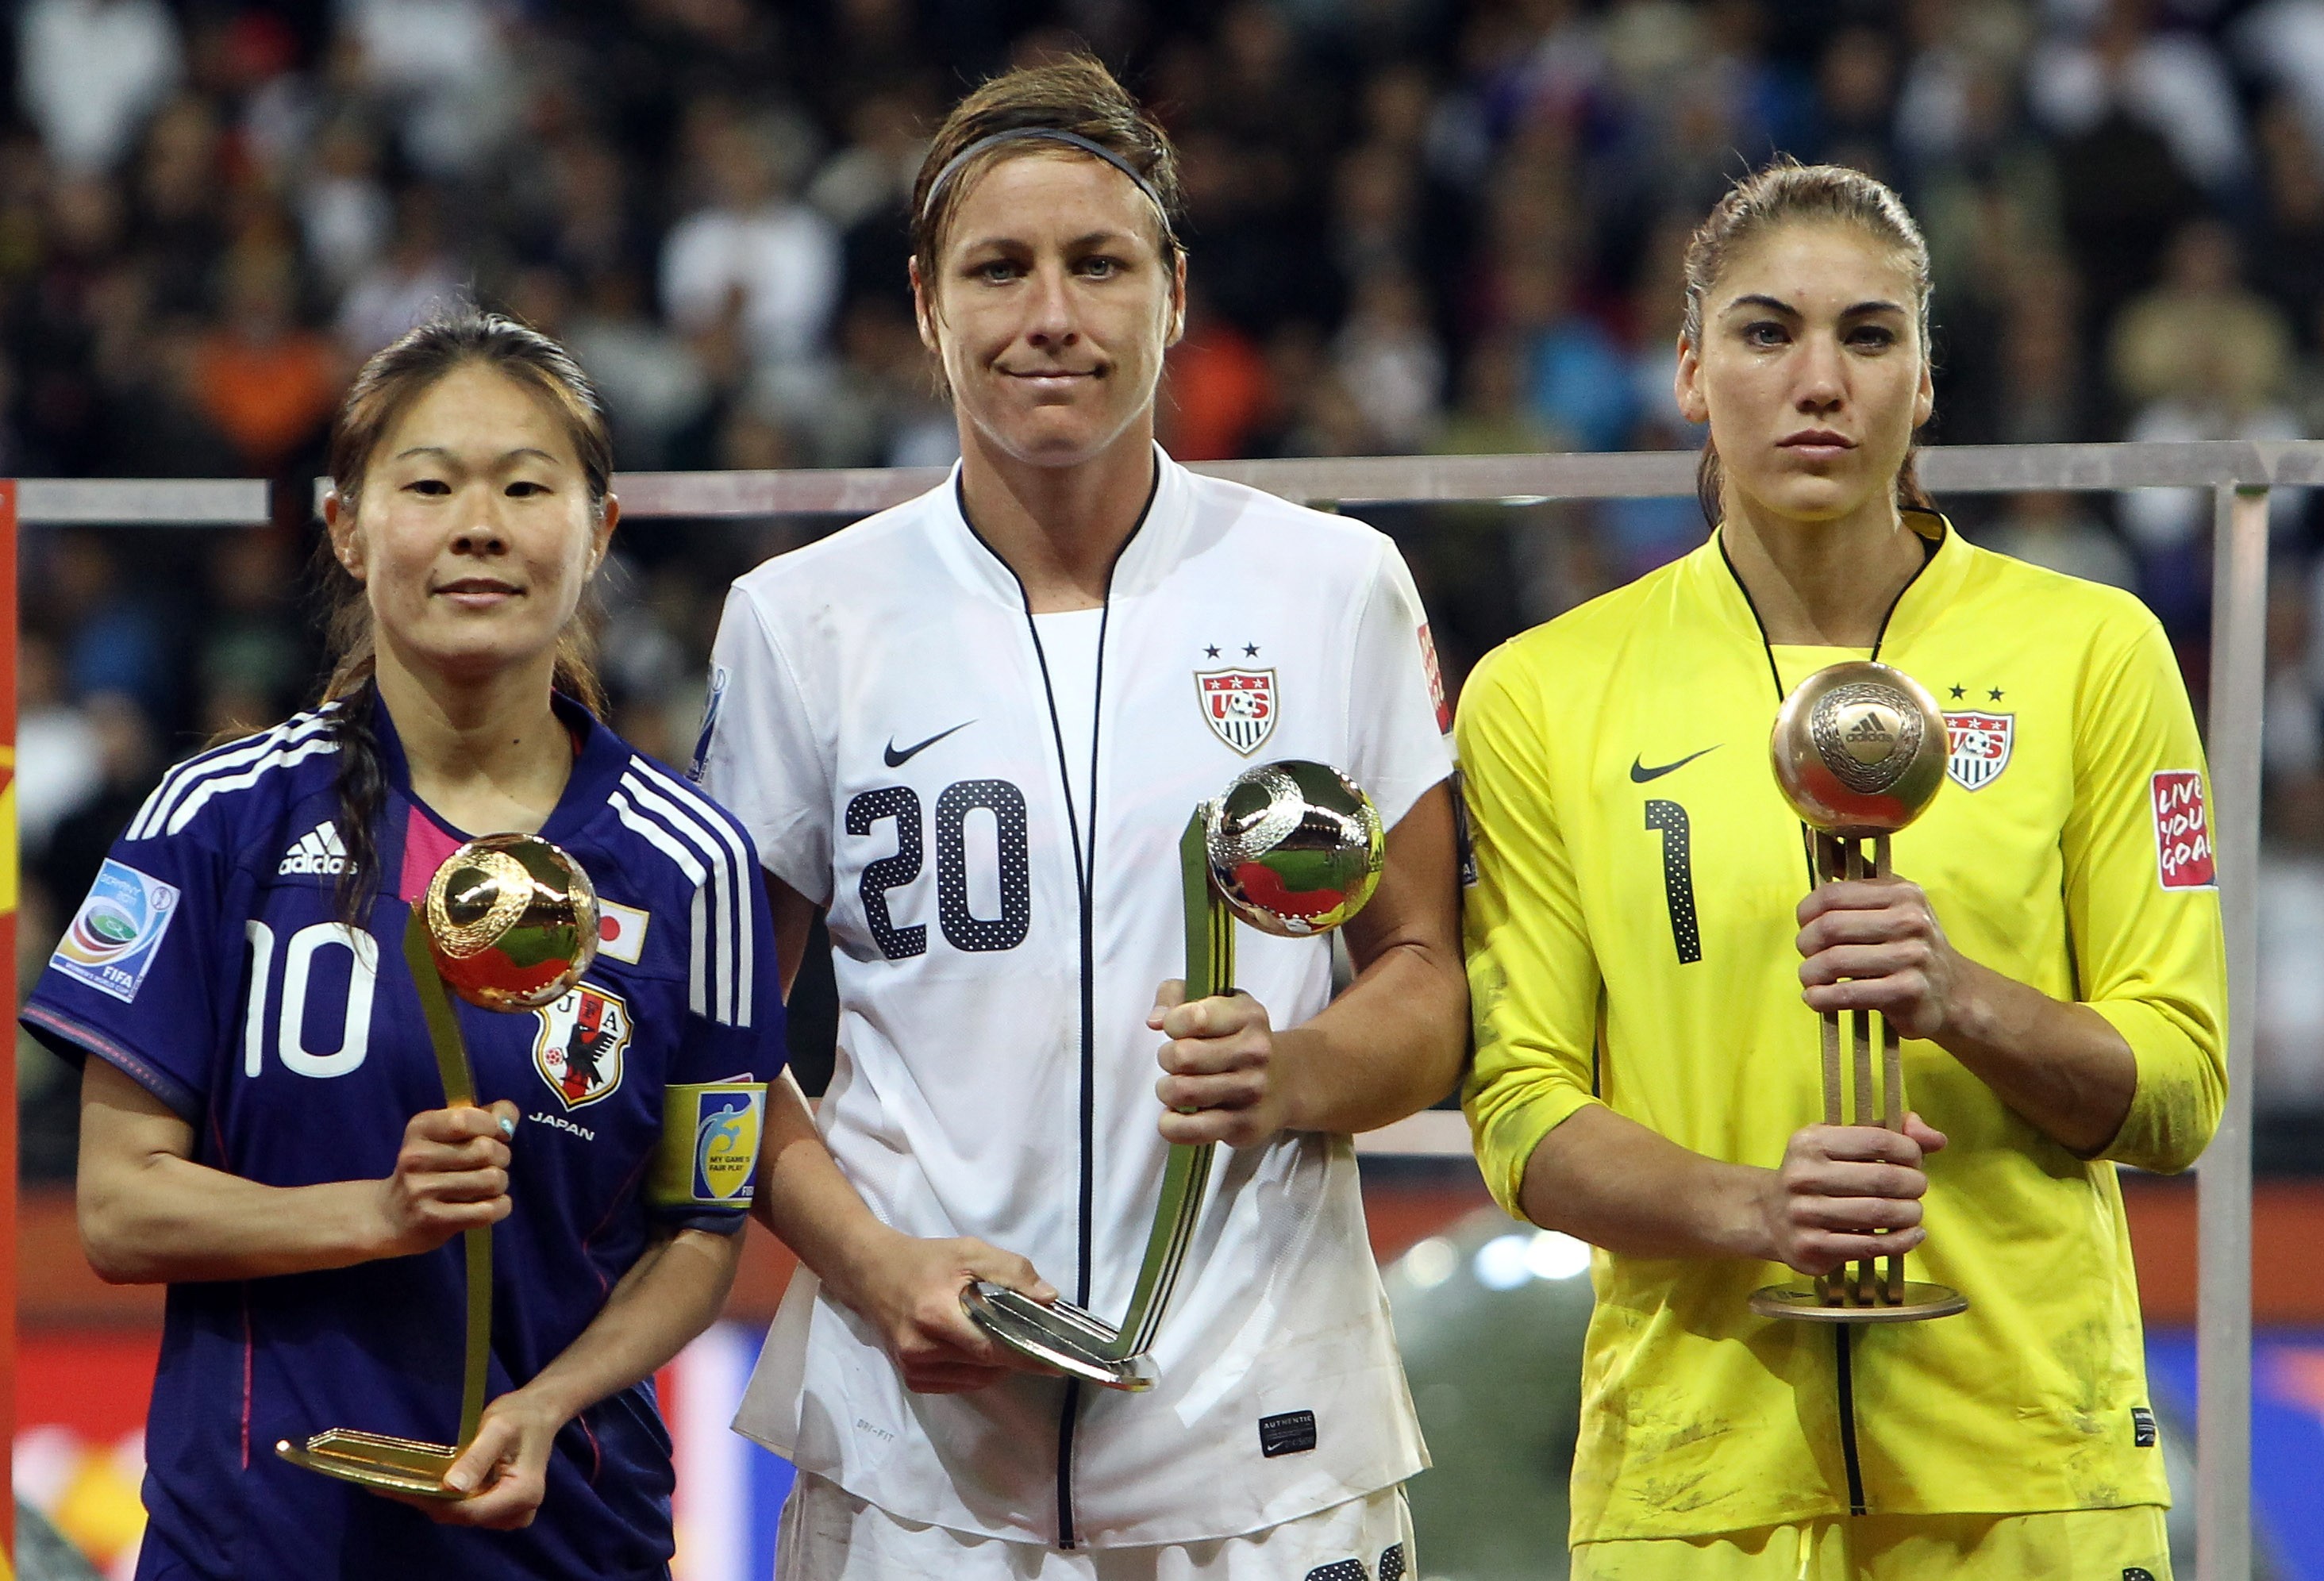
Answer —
(509, 923)
(1294, 849)
(1859, 749)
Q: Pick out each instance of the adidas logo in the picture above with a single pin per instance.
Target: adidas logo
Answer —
(317, 850)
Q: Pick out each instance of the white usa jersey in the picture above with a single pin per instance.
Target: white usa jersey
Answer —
(882, 724)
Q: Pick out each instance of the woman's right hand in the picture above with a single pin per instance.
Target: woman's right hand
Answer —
(451, 1174)
(1839, 1186)
(908, 1288)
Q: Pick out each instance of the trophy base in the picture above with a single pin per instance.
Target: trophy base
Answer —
(375, 1460)
(1061, 1335)
(1804, 1303)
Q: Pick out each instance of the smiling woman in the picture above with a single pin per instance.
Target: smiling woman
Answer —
(478, 422)
(264, 1124)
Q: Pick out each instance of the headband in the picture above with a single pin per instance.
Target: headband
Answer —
(1043, 135)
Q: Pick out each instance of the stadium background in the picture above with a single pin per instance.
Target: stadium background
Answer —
(1416, 226)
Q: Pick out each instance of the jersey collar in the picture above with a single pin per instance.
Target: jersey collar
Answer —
(599, 757)
(1158, 543)
(1930, 592)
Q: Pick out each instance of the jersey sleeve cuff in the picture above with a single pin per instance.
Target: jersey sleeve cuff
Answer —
(1505, 1136)
(72, 1039)
(2180, 1095)
(721, 1221)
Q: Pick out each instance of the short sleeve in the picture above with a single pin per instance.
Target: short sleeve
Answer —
(1532, 973)
(2142, 897)
(759, 755)
(138, 979)
(1397, 720)
(739, 1038)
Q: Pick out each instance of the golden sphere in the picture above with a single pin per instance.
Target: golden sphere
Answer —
(512, 921)
(1859, 749)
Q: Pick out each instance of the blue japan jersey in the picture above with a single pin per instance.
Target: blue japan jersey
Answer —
(208, 964)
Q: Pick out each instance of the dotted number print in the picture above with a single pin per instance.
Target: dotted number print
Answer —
(1678, 876)
(901, 804)
(962, 928)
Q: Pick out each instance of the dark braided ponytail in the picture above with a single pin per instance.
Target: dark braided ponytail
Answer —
(382, 392)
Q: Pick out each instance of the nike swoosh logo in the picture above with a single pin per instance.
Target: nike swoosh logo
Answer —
(1640, 772)
(897, 759)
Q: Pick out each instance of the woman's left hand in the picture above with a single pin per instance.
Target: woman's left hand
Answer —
(1882, 936)
(506, 1469)
(1221, 1083)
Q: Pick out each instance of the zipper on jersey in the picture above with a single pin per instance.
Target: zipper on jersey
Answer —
(1845, 1367)
(1084, 883)
(1843, 1364)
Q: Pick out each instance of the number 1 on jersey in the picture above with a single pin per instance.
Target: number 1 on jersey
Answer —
(1678, 876)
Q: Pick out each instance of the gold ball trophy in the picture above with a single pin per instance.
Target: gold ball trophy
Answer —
(1859, 751)
(1294, 849)
(509, 923)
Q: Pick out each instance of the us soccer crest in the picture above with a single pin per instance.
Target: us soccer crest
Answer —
(579, 1048)
(1980, 744)
(1239, 705)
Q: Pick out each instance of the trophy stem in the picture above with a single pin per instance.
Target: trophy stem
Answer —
(377, 1460)
(459, 1090)
(1859, 1027)
(1892, 1084)
(1210, 969)
(1828, 867)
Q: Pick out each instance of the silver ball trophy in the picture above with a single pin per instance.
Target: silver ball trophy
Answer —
(1859, 750)
(1294, 849)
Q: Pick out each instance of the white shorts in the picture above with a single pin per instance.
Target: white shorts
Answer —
(828, 1534)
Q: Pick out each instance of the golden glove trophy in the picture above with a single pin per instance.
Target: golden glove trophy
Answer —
(1294, 849)
(1859, 751)
(509, 923)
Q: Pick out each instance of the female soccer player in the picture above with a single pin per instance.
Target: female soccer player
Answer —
(971, 730)
(263, 1127)
(1644, 1062)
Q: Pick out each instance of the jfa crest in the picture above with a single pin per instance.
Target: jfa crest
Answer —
(1980, 744)
(1239, 705)
(579, 1051)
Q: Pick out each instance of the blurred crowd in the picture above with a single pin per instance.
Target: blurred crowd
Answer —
(1415, 225)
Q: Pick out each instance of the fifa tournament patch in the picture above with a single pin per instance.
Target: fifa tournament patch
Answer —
(1435, 681)
(1239, 705)
(1977, 747)
(112, 938)
(579, 1047)
(710, 707)
(2182, 829)
(709, 1152)
(621, 931)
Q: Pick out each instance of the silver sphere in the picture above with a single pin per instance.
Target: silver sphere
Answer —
(1294, 847)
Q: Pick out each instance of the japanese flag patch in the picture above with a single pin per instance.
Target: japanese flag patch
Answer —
(112, 939)
(2182, 829)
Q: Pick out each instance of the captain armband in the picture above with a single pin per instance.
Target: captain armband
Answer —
(709, 1152)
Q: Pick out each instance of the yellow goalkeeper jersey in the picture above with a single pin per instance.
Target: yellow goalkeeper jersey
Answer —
(1631, 938)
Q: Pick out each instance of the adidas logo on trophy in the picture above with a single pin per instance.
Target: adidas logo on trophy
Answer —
(317, 850)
